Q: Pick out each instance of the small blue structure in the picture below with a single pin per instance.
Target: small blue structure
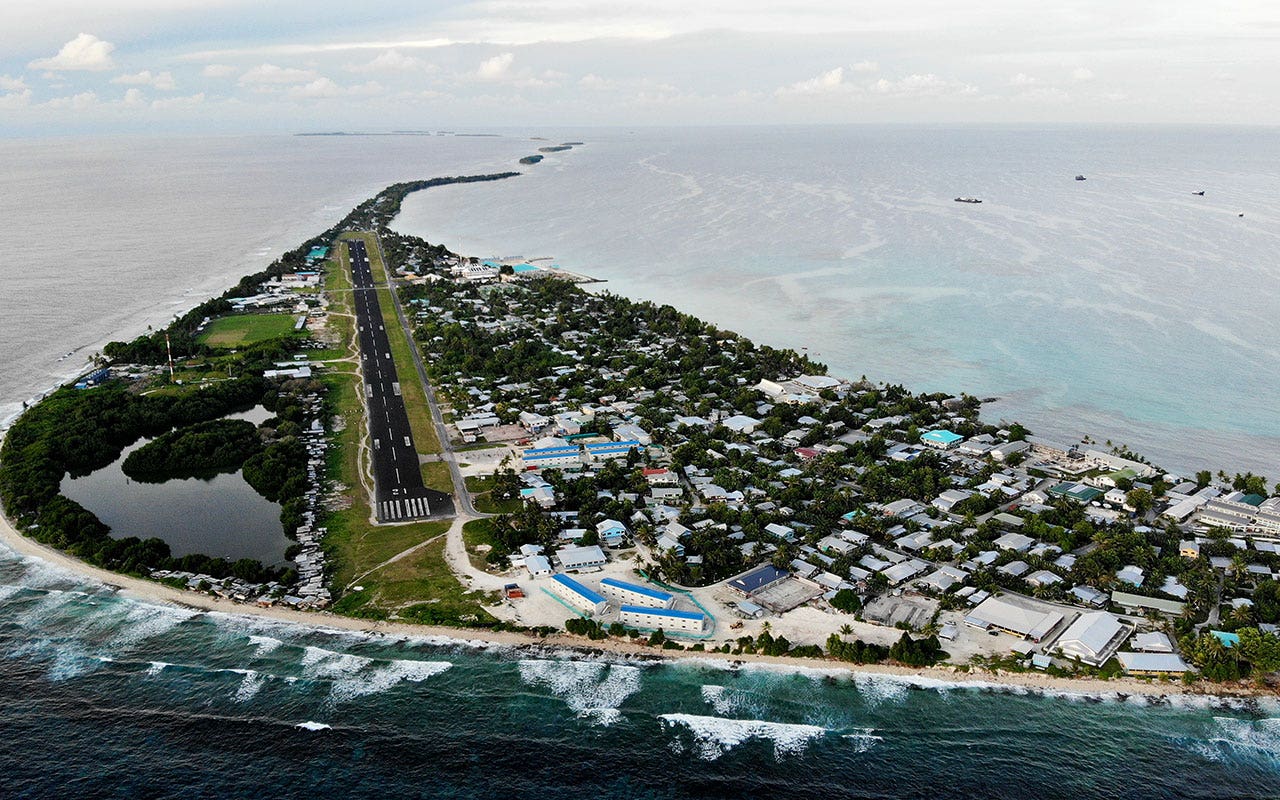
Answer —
(94, 378)
(1228, 639)
(520, 269)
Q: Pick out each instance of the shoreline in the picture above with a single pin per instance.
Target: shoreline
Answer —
(146, 591)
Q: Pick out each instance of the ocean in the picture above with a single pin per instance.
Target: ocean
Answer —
(105, 697)
(1122, 305)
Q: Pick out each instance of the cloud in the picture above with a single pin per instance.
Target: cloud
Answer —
(161, 80)
(1022, 79)
(85, 52)
(270, 74)
(922, 85)
(218, 71)
(829, 81)
(75, 102)
(1082, 74)
(496, 68)
(11, 84)
(595, 82)
(391, 61)
(16, 99)
(185, 101)
(324, 88)
(866, 66)
(134, 97)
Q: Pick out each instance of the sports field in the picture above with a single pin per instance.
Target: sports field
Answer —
(243, 329)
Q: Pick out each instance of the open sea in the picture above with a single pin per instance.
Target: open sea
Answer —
(1122, 306)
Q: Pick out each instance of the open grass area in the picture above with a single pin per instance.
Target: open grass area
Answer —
(476, 535)
(418, 588)
(435, 475)
(239, 330)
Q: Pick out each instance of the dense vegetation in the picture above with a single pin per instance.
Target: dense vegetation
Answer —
(78, 432)
(205, 448)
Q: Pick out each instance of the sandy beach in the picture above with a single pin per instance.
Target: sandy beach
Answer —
(152, 592)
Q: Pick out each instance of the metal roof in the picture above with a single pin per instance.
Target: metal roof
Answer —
(663, 612)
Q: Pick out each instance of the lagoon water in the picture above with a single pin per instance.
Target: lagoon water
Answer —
(1121, 305)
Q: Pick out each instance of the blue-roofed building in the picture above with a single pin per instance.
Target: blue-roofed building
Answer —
(635, 594)
(522, 269)
(602, 451)
(941, 439)
(94, 378)
(751, 582)
(668, 619)
(542, 457)
(577, 595)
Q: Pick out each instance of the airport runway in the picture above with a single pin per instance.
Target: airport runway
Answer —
(397, 475)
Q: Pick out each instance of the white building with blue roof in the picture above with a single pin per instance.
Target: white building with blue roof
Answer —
(577, 595)
(668, 619)
(635, 594)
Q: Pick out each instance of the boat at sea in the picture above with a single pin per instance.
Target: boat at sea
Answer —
(968, 200)
(1080, 177)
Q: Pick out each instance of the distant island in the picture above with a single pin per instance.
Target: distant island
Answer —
(531, 159)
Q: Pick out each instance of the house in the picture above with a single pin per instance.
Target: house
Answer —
(1131, 574)
(1043, 577)
(1016, 542)
(1003, 615)
(660, 476)
(941, 439)
(538, 566)
(1152, 642)
(1189, 548)
(1089, 596)
(1152, 663)
(1092, 638)
(576, 559)
(1136, 602)
(611, 532)
(741, 423)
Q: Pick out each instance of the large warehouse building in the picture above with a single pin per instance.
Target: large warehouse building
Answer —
(668, 619)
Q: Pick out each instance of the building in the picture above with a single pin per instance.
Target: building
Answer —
(603, 451)
(1003, 615)
(538, 566)
(1233, 513)
(1136, 602)
(577, 595)
(636, 595)
(668, 619)
(1152, 663)
(543, 457)
(576, 559)
(611, 532)
(941, 439)
(753, 581)
(1092, 638)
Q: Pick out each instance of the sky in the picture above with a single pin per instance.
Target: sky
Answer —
(90, 66)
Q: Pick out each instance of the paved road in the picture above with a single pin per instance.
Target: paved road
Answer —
(448, 455)
(397, 475)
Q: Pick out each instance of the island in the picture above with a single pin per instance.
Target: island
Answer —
(579, 466)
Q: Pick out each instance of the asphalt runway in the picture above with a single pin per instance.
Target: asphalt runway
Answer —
(398, 491)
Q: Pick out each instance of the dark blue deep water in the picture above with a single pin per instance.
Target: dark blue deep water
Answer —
(104, 697)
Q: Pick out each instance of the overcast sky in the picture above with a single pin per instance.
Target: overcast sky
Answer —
(73, 66)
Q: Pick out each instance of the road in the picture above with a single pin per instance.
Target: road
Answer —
(461, 495)
(397, 475)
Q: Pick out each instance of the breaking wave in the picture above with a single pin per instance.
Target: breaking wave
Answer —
(592, 689)
(715, 736)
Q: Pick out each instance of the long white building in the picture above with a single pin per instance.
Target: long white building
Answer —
(636, 595)
(577, 595)
(668, 619)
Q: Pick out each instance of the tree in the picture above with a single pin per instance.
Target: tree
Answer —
(657, 638)
(846, 600)
(1139, 500)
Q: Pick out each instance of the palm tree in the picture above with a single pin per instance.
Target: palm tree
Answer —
(846, 629)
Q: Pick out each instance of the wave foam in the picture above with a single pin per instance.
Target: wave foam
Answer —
(145, 621)
(156, 667)
(594, 690)
(715, 736)
(312, 726)
(264, 645)
(381, 679)
(249, 686)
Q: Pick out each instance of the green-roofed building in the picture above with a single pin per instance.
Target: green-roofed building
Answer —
(1075, 491)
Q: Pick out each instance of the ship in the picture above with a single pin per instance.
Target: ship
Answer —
(1080, 177)
(968, 200)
